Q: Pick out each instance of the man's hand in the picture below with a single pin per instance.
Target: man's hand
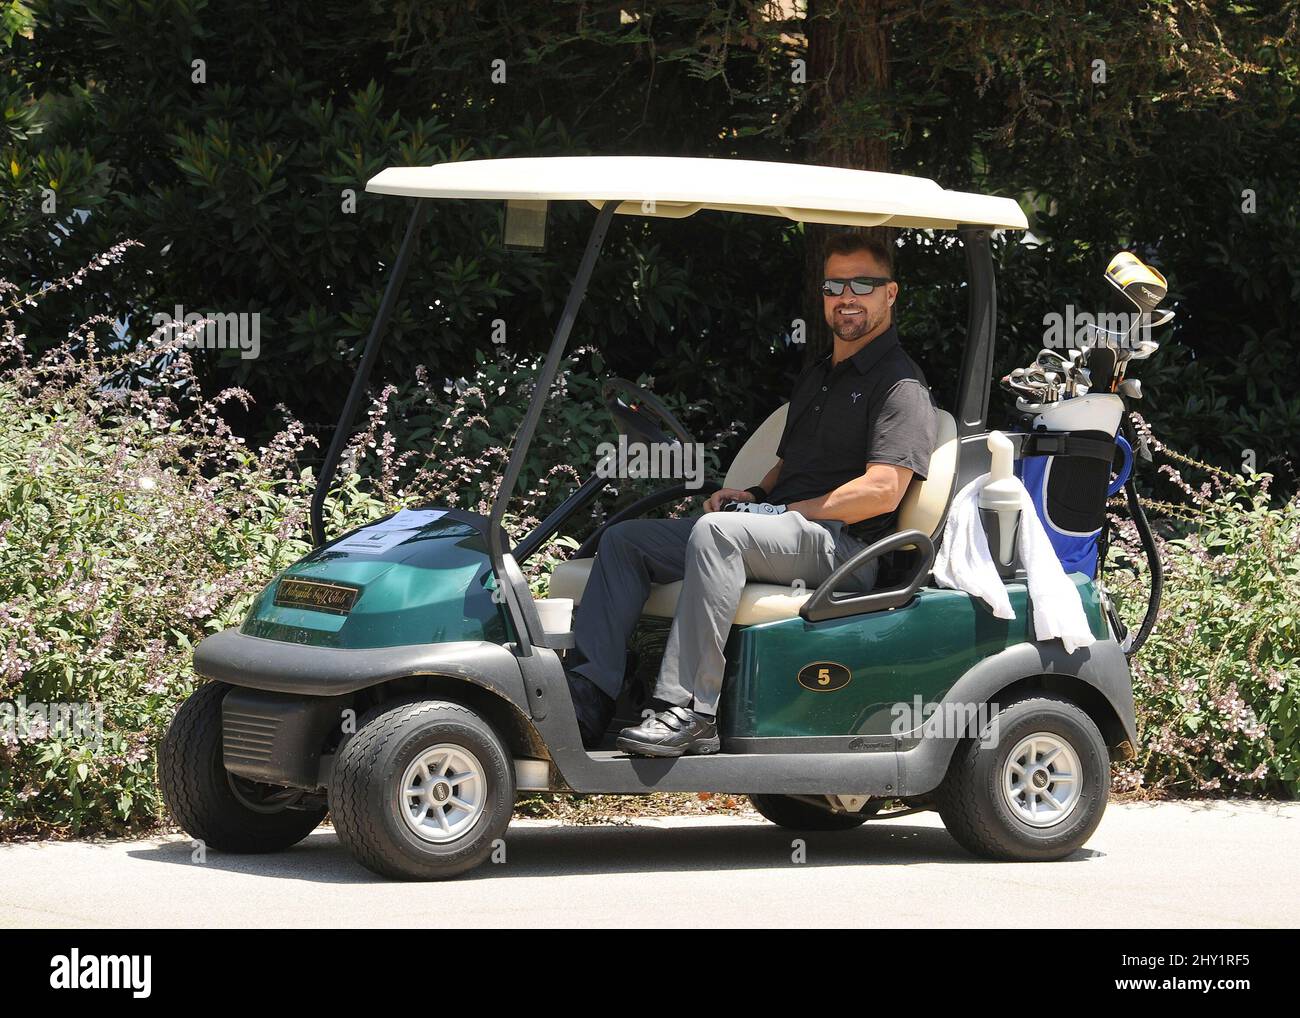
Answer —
(714, 502)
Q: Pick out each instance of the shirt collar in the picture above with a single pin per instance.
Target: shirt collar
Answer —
(873, 353)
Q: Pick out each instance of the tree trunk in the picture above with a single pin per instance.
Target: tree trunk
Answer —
(848, 79)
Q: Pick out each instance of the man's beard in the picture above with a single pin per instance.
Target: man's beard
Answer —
(855, 327)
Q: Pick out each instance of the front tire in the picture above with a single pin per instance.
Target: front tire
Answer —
(787, 811)
(225, 812)
(422, 791)
(1035, 795)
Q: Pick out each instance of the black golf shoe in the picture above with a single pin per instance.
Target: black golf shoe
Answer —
(593, 706)
(671, 732)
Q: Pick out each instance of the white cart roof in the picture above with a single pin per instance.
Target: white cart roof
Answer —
(673, 188)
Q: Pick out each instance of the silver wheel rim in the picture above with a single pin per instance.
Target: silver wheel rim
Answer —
(1041, 781)
(443, 793)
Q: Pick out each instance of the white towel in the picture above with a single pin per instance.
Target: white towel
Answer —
(964, 562)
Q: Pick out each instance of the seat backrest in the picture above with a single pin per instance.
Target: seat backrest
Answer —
(758, 454)
(924, 503)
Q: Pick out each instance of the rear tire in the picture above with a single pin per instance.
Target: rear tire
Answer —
(1038, 793)
(422, 791)
(787, 811)
(203, 796)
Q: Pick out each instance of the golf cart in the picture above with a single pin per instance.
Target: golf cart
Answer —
(400, 676)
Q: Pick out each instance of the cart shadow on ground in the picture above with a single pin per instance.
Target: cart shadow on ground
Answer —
(576, 850)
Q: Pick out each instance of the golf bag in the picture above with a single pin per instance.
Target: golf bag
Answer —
(1072, 412)
(1067, 456)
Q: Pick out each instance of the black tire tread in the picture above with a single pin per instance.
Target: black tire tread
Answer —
(959, 798)
(196, 793)
(357, 827)
(795, 815)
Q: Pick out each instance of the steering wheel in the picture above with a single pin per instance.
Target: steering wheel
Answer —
(642, 414)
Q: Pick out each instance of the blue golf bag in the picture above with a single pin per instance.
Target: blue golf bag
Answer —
(1066, 459)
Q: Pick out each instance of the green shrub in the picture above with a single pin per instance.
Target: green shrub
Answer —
(1218, 683)
(133, 522)
(131, 525)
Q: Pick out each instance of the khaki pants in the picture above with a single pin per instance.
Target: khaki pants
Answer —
(713, 555)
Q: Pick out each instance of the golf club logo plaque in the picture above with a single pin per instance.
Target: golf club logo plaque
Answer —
(825, 676)
(316, 596)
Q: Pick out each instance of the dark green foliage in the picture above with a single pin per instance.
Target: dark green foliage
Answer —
(236, 186)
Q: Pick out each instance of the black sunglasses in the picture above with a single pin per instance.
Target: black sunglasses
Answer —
(861, 285)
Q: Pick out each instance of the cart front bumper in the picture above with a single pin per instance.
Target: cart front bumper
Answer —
(279, 667)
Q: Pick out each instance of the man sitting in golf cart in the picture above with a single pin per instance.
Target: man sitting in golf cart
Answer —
(861, 424)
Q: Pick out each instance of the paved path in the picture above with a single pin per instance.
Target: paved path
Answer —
(1224, 864)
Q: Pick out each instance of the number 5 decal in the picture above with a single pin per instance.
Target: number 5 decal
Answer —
(824, 676)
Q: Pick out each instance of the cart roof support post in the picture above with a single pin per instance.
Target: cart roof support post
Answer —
(542, 389)
(368, 358)
(976, 376)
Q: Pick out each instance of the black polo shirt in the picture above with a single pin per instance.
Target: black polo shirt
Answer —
(873, 407)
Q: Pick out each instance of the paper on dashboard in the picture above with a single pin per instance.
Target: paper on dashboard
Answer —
(380, 537)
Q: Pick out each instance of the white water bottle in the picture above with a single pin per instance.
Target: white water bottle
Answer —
(999, 504)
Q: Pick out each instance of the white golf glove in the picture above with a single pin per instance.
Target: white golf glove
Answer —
(761, 508)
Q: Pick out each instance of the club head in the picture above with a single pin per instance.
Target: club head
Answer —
(1051, 360)
(1143, 350)
(1142, 285)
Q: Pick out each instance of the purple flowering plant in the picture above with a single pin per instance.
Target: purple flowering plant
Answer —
(134, 522)
(1218, 683)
